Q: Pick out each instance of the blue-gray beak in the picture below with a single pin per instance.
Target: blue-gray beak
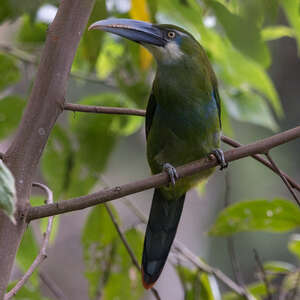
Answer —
(137, 31)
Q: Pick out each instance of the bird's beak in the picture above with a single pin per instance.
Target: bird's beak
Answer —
(137, 31)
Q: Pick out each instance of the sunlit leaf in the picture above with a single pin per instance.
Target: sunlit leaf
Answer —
(278, 215)
(256, 289)
(291, 9)
(294, 245)
(9, 71)
(139, 11)
(278, 266)
(27, 253)
(109, 57)
(277, 32)
(7, 191)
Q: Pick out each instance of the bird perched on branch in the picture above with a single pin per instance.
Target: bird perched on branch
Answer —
(182, 124)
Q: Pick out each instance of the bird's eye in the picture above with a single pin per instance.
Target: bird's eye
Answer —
(171, 34)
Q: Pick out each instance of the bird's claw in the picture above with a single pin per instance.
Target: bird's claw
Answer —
(219, 155)
(171, 172)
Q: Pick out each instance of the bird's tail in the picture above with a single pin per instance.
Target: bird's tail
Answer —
(160, 233)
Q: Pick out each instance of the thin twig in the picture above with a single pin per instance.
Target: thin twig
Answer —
(104, 109)
(282, 177)
(52, 286)
(230, 241)
(263, 274)
(127, 246)
(42, 254)
(160, 179)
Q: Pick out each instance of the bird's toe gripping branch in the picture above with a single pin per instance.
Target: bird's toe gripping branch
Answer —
(171, 172)
(219, 155)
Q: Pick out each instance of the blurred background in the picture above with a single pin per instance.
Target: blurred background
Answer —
(252, 45)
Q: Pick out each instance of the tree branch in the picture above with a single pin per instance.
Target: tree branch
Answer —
(42, 110)
(42, 254)
(104, 109)
(282, 177)
(263, 274)
(140, 112)
(259, 158)
(160, 179)
(127, 246)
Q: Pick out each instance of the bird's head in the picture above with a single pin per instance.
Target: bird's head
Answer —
(169, 44)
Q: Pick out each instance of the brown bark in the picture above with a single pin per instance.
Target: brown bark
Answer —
(43, 108)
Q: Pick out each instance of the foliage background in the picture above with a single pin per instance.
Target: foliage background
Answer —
(253, 47)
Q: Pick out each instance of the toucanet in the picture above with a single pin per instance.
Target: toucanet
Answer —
(182, 125)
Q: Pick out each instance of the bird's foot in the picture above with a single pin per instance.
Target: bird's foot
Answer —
(219, 155)
(171, 172)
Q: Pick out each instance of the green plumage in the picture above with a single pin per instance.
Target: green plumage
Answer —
(182, 125)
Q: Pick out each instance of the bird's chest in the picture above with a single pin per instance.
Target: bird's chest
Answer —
(182, 133)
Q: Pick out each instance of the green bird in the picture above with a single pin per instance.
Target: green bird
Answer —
(182, 125)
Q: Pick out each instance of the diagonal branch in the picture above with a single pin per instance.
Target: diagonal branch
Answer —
(258, 157)
(140, 112)
(127, 246)
(283, 178)
(261, 146)
(42, 254)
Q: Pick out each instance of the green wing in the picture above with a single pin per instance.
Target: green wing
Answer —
(150, 111)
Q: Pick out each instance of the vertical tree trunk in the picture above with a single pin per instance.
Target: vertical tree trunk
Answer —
(43, 108)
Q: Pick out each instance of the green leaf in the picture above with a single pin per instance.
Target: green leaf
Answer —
(9, 71)
(235, 26)
(97, 134)
(99, 248)
(27, 253)
(7, 191)
(291, 9)
(108, 266)
(91, 43)
(32, 32)
(109, 57)
(124, 282)
(56, 161)
(250, 107)
(276, 32)
(278, 215)
(197, 285)
(257, 289)
(11, 109)
(294, 245)
(278, 266)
